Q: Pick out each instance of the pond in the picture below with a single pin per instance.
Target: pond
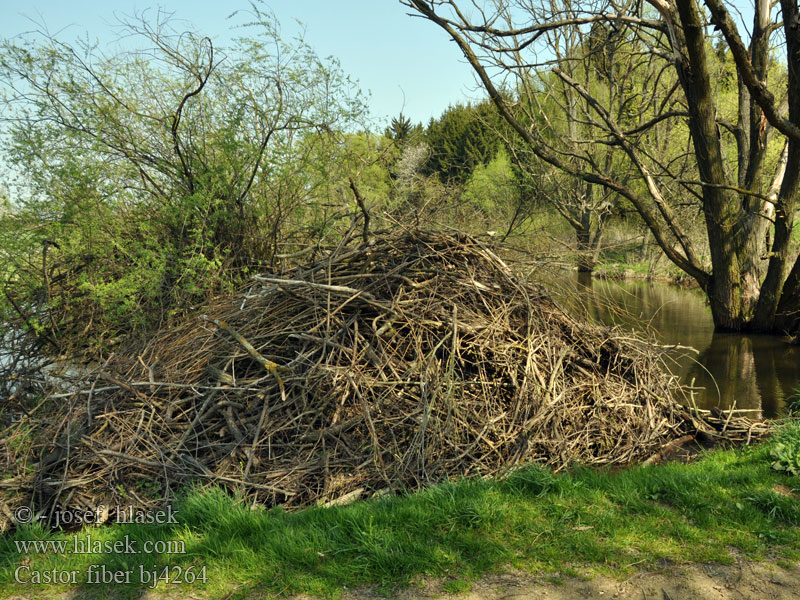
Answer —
(756, 372)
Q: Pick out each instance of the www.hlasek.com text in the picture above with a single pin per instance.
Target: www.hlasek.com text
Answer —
(89, 545)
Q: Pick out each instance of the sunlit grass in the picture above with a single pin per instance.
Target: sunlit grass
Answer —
(532, 520)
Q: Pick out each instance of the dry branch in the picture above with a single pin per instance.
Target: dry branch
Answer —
(414, 358)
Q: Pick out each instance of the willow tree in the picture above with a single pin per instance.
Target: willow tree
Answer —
(744, 188)
(157, 175)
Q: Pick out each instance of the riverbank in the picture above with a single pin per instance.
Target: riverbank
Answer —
(642, 271)
(757, 373)
(725, 506)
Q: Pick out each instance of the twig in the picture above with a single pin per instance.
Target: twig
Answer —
(363, 207)
(270, 366)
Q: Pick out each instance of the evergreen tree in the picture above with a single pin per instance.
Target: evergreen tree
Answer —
(463, 137)
(400, 129)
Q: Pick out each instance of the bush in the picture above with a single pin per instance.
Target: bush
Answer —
(786, 449)
(151, 184)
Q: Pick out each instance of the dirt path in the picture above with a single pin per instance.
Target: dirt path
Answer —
(741, 581)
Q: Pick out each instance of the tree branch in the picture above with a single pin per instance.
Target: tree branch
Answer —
(758, 88)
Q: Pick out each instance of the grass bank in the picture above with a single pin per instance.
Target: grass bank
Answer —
(533, 520)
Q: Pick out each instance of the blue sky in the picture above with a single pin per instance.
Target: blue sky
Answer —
(406, 63)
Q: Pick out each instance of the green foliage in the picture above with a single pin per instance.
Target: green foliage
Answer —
(462, 138)
(154, 179)
(493, 187)
(793, 403)
(402, 131)
(786, 449)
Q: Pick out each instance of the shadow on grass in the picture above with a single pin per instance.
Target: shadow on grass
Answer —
(531, 520)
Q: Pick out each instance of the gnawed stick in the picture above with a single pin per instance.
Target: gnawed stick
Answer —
(362, 205)
(270, 366)
(334, 289)
(344, 499)
(252, 452)
(670, 446)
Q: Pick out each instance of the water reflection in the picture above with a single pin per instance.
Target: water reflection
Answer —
(756, 372)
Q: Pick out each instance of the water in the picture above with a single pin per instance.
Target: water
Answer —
(757, 372)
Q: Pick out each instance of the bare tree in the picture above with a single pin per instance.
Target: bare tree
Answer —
(741, 200)
(584, 66)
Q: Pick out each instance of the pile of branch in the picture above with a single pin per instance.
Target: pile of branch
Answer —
(410, 359)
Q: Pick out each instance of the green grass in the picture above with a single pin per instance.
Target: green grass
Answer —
(532, 520)
(793, 403)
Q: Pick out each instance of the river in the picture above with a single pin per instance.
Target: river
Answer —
(757, 372)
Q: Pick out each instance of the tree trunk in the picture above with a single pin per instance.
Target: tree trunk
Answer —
(719, 203)
(779, 309)
(756, 212)
(586, 261)
(589, 233)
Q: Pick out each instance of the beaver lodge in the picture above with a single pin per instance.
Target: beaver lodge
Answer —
(389, 365)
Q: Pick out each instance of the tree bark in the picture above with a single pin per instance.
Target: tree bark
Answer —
(719, 203)
(779, 309)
